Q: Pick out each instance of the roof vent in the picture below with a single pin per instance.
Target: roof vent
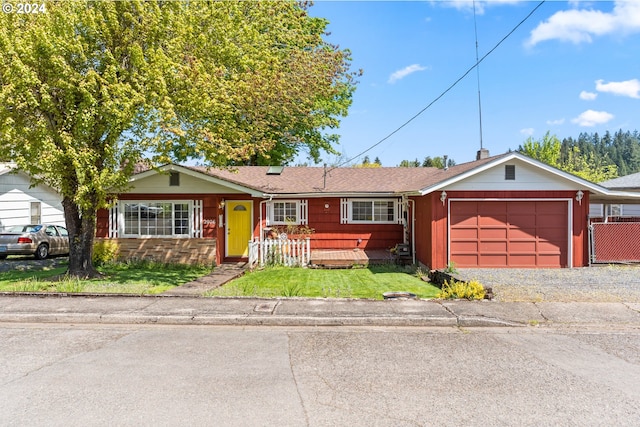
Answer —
(275, 170)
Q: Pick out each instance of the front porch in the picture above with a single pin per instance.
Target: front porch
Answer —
(341, 258)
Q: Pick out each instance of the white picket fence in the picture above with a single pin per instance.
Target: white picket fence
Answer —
(286, 252)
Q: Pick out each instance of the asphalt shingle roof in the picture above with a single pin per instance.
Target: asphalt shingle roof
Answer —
(296, 180)
(629, 182)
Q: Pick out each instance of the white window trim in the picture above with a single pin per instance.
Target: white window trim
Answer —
(301, 212)
(346, 211)
(194, 226)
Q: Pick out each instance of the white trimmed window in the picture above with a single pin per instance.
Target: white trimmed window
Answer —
(158, 218)
(596, 210)
(287, 212)
(614, 210)
(365, 211)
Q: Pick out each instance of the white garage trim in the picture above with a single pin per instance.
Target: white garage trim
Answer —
(569, 202)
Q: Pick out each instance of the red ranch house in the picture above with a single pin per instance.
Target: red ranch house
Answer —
(501, 211)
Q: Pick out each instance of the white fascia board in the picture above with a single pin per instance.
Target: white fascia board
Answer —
(581, 183)
(322, 195)
(198, 175)
(7, 167)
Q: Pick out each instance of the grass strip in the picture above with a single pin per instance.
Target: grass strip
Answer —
(369, 283)
(127, 278)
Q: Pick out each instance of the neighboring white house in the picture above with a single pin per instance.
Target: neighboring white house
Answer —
(22, 204)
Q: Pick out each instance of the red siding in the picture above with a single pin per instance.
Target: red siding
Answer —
(329, 233)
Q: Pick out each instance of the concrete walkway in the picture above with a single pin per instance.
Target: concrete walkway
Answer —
(221, 274)
(93, 309)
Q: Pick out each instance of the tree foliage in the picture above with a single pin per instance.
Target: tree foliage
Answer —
(366, 163)
(428, 162)
(89, 88)
(584, 164)
(546, 150)
(621, 149)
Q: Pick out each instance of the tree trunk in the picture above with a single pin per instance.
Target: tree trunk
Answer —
(82, 228)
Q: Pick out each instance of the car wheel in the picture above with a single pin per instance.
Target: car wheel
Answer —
(43, 251)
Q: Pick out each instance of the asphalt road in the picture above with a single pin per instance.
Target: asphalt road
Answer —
(139, 375)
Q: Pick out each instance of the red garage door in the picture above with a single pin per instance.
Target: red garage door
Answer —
(509, 233)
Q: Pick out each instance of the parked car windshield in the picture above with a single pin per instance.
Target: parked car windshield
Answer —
(24, 228)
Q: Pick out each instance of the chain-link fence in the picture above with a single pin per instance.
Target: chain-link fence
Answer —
(614, 242)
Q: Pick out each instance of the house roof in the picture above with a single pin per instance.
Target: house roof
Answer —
(317, 180)
(350, 181)
(627, 182)
(476, 167)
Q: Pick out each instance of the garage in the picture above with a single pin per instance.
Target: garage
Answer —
(509, 233)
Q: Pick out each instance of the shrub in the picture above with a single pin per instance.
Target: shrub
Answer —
(467, 290)
(105, 252)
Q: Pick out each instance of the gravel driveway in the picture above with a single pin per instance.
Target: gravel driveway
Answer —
(607, 283)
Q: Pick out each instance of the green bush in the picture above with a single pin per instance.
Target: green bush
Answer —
(105, 252)
(458, 290)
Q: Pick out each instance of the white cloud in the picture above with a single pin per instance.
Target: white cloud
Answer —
(630, 88)
(466, 5)
(401, 74)
(581, 25)
(555, 122)
(527, 131)
(588, 96)
(591, 118)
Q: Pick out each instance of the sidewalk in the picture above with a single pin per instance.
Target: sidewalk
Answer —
(92, 309)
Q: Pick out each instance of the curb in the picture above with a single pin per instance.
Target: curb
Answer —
(250, 320)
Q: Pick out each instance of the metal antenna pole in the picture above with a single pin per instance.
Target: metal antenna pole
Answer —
(475, 27)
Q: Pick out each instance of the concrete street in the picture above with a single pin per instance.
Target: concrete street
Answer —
(174, 375)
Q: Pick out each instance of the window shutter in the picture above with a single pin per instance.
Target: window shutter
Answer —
(303, 215)
(196, 221)
(399, 213)
(344, 211)
(113, 222)
(269, 213)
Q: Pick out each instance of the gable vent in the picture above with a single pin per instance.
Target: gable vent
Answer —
(174, 179)
(510, 172)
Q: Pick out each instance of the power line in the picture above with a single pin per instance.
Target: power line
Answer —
(445, 91)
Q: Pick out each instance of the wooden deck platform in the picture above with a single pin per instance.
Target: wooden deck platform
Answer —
(342, 258)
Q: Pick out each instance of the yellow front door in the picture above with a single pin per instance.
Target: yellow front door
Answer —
(239, 226)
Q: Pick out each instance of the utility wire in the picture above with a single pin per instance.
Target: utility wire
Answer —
(444, 92)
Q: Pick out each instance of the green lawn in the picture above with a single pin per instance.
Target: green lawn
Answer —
(129, 278)
(368, 283)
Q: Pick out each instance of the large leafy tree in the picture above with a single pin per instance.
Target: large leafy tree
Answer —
(89, 88)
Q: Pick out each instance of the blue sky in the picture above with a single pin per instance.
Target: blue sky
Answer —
(572, 67)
